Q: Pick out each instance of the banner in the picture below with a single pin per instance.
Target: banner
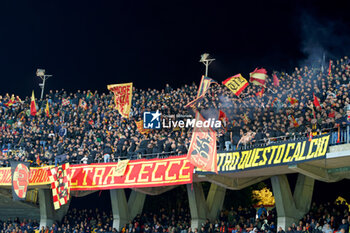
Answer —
(60, 184)
(236, 84)
(276, 154)
(202, 151)
(122, 97)
(20, 180)
(138, 174)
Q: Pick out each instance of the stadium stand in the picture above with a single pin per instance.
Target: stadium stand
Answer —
(322, 218)
(99, 134)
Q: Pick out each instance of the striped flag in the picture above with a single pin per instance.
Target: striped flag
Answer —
(258, 77)
(205, 84)
(60, 184)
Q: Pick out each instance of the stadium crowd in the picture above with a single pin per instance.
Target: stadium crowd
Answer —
(95, 132)
(323, 218)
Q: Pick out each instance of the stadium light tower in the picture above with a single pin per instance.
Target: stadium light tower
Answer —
(41, 74)
(206, 60)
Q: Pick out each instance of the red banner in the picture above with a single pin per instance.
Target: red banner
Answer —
(122, 97)
(138, 174)
(202, 151)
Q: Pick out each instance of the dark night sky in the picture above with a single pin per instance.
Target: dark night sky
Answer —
(89, 44)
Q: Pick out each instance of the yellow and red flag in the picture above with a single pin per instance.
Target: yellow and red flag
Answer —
(295, 123)
(236, 84)
(139, 125)
(83, 104)
(292, 100)
(33, 105)
(122, 97)
(47, 109)
(202, 152)
(260, 93)
(11, 101)
(258, 77)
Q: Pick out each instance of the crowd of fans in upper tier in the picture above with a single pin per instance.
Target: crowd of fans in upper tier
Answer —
(99, 133)
(323, 218)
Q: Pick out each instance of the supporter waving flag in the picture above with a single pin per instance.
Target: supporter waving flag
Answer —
(11, 101)
(60, 184)
(258, 77)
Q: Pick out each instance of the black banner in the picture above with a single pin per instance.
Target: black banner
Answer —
(20, 179)
(275, 154)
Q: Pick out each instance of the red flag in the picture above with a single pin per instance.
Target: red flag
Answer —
(276, 82)
(33, 105)
(330, 68)
(316, 103)
(258, 76)
(292, 100)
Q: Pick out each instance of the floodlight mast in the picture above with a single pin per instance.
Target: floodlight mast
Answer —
(41, 74)
(206, 60)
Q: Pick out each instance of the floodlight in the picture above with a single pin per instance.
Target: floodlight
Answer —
(40, 72)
